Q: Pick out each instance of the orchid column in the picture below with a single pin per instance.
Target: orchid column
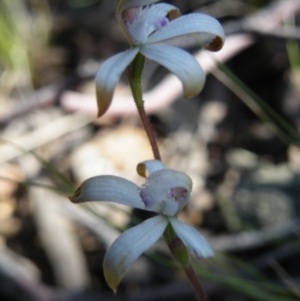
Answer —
(147, 26)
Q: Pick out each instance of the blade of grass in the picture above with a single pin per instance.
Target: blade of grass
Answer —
(292, 50)
(274, 120)
(255, 274)
(43, 162)
(286, 278)
(254, 289)
(258, 290)
(28, 183)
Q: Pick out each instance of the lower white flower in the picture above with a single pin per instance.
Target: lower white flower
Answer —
(165, 192)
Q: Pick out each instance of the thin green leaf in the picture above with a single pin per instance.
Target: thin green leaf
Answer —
(70, 185)
(276, 122)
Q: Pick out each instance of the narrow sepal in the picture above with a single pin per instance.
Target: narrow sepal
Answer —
(192, 24)
(111, 189)
(129, 246)
(179, 62)
(192, 239)
(108, 76)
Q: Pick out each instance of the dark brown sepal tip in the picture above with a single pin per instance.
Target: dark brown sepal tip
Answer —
(215, 45)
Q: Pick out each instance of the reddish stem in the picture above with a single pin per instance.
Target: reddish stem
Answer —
(134, 74)
(149, 131)
(195, 283)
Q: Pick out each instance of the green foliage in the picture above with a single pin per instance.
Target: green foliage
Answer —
(258, 3)
(83, 3)
(24, 32)
(265, 112)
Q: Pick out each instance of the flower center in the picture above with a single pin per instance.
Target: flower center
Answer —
(166, 191)
(141, 22)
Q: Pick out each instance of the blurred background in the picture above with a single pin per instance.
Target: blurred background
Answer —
(238, 140)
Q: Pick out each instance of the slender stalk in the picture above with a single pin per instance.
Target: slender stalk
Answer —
(150, 132)
(134, 74)
(190, 273)
(182, 255)
(176, 246)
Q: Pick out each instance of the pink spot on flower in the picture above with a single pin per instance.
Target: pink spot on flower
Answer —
(179, 194)
(163, 22)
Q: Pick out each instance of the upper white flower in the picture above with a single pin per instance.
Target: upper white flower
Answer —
(165, 192)
(146, 25)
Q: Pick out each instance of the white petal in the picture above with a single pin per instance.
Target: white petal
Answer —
(129, 246)
(147, 21)
(166, 191)
(192, 239)
(187, 24)
(125, 4)
(108, 76)
(181, 63)
(146, 168)
(158, 10)
(111, 189)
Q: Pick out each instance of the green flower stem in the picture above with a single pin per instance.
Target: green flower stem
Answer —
(134, 74)
(181, 254)
(177, 248)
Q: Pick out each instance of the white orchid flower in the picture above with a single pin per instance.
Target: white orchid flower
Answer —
(165, 192)
(145, 27)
